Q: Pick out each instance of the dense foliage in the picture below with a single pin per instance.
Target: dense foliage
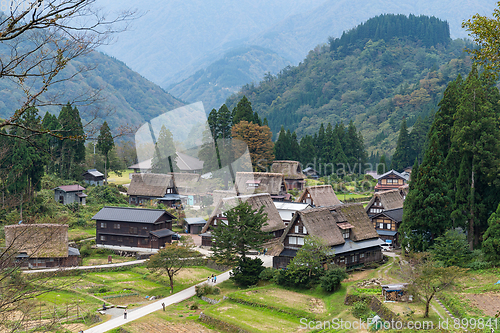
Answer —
(380, 81)
(247, 272)
(457, 182)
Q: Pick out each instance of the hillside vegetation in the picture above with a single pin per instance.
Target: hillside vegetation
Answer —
(375, 75)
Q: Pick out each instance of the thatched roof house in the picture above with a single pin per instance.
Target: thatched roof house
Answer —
(391, 180)
(148, 186)
(345, 228)
(38, 240)
(319, 196)
(186, 183)
(385, 200)
(292, 173)
(261, 182)
(274, 222)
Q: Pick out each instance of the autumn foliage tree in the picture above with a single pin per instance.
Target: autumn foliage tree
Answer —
(258, 140)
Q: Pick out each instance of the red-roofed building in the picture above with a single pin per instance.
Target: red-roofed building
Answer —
(67, 194)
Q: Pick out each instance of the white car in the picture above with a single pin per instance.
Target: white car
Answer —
(386, 247)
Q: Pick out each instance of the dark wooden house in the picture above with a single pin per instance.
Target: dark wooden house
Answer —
(41, 245)
(385, 200)
(67, 194)
(309, 172)
(274, 226)
(391, 180)
(194, 225)
(319, 196)
(247, 183)
(133, 227)
(387, 224)
(292, 172)
(93, 177)
(345, 228)
(150, 187)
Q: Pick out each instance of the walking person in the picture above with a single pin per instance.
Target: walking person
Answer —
(125, 314)
(215, 278)
(208, 279)
(163, 305)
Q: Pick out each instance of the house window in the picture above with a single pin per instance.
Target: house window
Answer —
(304, 230)
(133, 230)
(368, 254)
(103, 238)
(119, 239)
(388, 226)
(381, 225)
(300, 241)
(345, 233)
(103, 225)
(362, 255)
(144, 241)
(292, 240)
(116, 226)
(144, 228)
(296, 229)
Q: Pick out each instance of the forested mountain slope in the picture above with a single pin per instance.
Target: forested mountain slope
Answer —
(132, 98)
(226, 76)
(375, 75)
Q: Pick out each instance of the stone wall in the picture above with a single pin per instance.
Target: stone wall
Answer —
(221, 325)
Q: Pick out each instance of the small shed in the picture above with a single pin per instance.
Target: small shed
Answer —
(193, 225)
(93, 177)
(396, 292)
(67, 194)
(206, 239)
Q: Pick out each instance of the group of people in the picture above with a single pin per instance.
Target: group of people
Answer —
(212, 278)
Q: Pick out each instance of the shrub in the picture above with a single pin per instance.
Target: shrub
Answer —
(216, 291)
(297, 276)
(247, 272)
(478, 265)
(332, 279)
(204, 289)
(361, 310)
(194, 306)
(267, 274)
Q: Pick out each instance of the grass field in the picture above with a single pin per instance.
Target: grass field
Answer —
(75, 234)
(120, 180)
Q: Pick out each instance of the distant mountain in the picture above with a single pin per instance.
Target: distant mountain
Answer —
(227, 75)
(175, 39)
(388, 68)
(132, 98)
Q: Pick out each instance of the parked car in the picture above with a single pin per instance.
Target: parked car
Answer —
(386, 247)
(176, 236)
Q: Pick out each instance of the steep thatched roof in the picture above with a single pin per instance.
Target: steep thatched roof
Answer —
(186, 182)
(324, 222)
(290, 169)
(218, 195)
(274, 221)
(38, 240)
(321, 195)
(321, 223)
(390, 199)
(150, 184)
(355, 214)
(260, 182)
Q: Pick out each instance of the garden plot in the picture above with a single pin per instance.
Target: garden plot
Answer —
(489, 303)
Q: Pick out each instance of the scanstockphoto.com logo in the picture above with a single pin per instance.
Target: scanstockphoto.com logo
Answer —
(377, 323)
(20, 5)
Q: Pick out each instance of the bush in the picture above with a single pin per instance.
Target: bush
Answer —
(297, 276)
(267, 274)
(361, 310)
(205, 289)
(247, 272)
(194, 306)
(332, 279)
(478, 265)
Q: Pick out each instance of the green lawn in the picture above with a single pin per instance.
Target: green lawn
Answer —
(76, 234)
(120, 180)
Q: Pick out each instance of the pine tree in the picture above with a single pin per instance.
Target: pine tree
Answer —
(382, 166)
(307, 150)
(243, 111)
(259, 143)
(427, 206)
(280, 146)
(400, 157)
(164, 158)
(72, 148)
(105, 143)
(475, 135)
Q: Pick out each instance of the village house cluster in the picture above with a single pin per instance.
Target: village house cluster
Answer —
(355, 234)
